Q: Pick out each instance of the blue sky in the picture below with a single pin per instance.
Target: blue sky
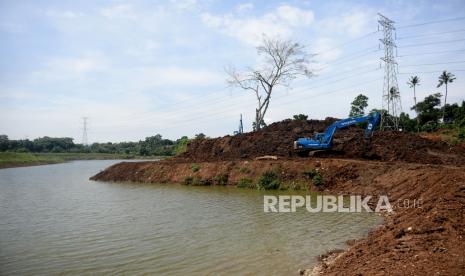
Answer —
(138, 68)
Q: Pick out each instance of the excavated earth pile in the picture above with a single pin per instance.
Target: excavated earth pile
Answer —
(277, 140)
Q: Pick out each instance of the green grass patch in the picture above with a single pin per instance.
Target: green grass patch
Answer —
(315, 176)
(13, 159)
(195, 168)
(245, 183)
(221, 179)
(196, 181)
(269, 180)
(24, 158)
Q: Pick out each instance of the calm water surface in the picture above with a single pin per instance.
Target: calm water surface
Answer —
(53, 220)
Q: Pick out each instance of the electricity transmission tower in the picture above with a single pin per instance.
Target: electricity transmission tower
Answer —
(391, 107)
(84, 131)
(241, 127)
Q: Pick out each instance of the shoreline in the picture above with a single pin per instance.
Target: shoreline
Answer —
(430, 237)
(19, 159)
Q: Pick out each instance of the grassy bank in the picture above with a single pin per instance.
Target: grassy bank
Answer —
(19, 159)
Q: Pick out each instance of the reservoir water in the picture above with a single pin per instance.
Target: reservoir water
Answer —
(53, 220)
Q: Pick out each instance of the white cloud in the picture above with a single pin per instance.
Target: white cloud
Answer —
(353, 23)
(119, 11)
(63, 14)
(324, 48)
(69, 68)
(149, 77)
(185, 4)
(295, 16)
(280, 22)
(244, 7)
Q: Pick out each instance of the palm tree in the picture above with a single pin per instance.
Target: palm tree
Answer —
(413, 82)
(445, 78)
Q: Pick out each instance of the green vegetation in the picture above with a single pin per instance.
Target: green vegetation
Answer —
(13, 159)
(358, 105)
(181, 145)
(300, 117)
(188, 180)
(151, 146)
(314, 175)
(196, 181)
(195, 168)
(245, 183)
(444, 79)
(431, 114)
(269, 180)
(221, 179)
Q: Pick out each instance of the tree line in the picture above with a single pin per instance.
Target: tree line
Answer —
(152, 146)
(431, 114)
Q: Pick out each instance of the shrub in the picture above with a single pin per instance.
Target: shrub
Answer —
(461, 133)
(317, 180)
(201, 182)
(221, 179)
(269, 181)
(310, 173)
(195, 167)
(196, 181)
(188, 180)
(430, 127)
(245, 183)
(300, 117)
(314, 175)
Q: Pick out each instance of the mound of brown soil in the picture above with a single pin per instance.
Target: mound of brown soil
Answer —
(277, 139)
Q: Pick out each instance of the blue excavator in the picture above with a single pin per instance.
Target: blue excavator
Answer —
(324, 141)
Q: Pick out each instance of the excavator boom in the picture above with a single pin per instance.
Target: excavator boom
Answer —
(323, 141)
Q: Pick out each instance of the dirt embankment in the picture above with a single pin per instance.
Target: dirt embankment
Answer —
(425, 239)
(277, 139)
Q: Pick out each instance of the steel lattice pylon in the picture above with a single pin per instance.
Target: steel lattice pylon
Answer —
(391, 104)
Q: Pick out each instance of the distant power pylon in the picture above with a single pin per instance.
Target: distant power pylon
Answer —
(391, 105)
(84, 131)
(241, 126)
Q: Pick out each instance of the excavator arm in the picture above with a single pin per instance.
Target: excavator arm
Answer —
(323, 141)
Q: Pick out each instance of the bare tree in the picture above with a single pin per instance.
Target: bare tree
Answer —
(282, 61)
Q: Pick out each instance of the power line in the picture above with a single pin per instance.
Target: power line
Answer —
(433, 53)
(430, 34)
(187, 122)
(348, 42)
(348, 74)
(432, 43)
(429, 72)
(240, 104)
(357, 54)
(221, 98)
(431, 22)
(438, 63)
